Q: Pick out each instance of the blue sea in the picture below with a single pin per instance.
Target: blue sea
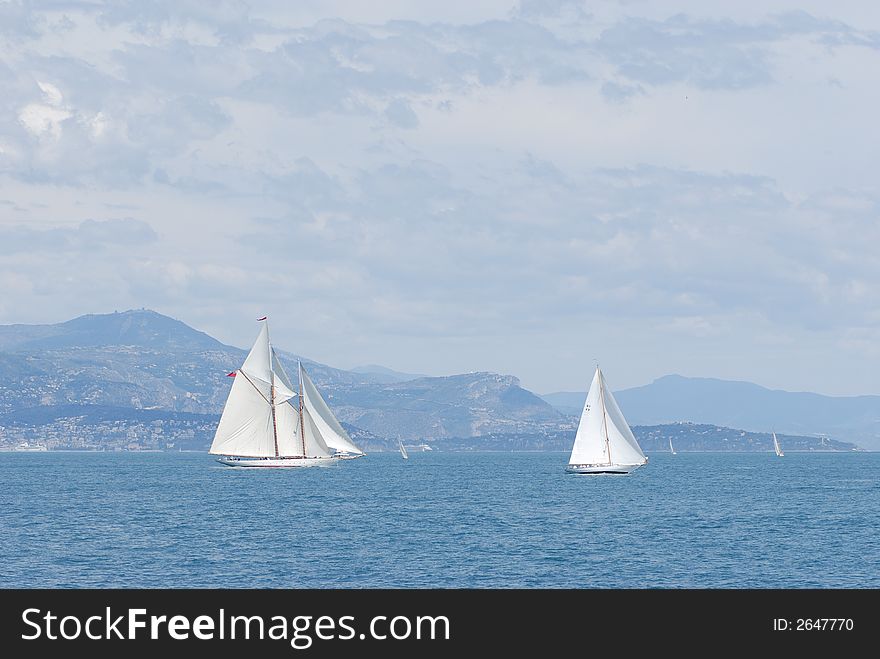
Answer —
(464, 520)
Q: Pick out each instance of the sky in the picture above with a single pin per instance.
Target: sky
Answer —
(483, 185)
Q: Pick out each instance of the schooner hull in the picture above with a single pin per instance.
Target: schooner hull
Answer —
(347, 456)
(594, 470)
(276, 463)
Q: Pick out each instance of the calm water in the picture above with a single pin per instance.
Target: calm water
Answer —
(446, 520)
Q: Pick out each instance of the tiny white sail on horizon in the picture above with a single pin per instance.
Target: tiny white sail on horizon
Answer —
(267, 423)
(776, 447)
(402, 448)
(604, 443)
(671, 448)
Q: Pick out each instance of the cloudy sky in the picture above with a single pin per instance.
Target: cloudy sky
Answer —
(520, 187)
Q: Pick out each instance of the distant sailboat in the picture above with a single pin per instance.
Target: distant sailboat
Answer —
(604, 443)
(266, 423)
(776, 448)
(402, 448)
(671, 449)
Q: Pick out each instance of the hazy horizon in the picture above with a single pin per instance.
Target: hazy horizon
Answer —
(517, 187)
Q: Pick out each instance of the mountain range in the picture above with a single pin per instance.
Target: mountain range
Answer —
(141, 361)
(674, 398)
(144, 360)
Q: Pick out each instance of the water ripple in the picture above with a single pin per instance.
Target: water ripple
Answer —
(439, 520)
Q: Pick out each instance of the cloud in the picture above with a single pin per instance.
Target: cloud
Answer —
(401, 114)
(641, 243)
(536, 9)
(227, 20)
(173, 123)
(618, 93)
(714, 54)
(88, 236)
(17, 21)
(170, 73)
(479, 185)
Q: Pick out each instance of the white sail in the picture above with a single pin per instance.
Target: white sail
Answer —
(258, 363)
(671, 448)
(589, 442)
(245, 427)
(603, 435)
(283, 388)
(402, 449)
(625, 448)
(776, 446)
(328, 426)
(315, 444)
(288, 428)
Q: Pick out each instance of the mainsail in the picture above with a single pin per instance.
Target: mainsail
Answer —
(325, 422)
(603, 435)
(776, 447)
(259, 419)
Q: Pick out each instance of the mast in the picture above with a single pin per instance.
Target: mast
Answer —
(272, 390)
(604, 417)
(302, 425)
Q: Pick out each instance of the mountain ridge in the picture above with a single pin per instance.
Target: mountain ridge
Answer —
(143, 360)
(740, 404)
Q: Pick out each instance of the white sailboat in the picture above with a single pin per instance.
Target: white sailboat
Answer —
(776, 448)
(402, 448)
(604, 443)
(266, 423)
(671, 449)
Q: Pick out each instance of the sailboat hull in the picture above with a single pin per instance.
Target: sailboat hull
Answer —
(594, 470)
(276, 463)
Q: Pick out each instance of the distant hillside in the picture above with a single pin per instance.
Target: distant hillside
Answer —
(567, 402)
(743, 405)
(98, 427)
(142, 328)
(101, 427)
(685, 437)
(143, 360)
(705, 437)
(456, 406)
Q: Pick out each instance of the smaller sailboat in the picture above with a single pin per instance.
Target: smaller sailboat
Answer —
(671, 448)
(604, 443)
(776, 448)
(402, 448)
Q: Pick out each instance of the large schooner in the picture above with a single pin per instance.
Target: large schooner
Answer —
(266, 422)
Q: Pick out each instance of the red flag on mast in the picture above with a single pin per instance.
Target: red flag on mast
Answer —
(263, 318)
(231, 375)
